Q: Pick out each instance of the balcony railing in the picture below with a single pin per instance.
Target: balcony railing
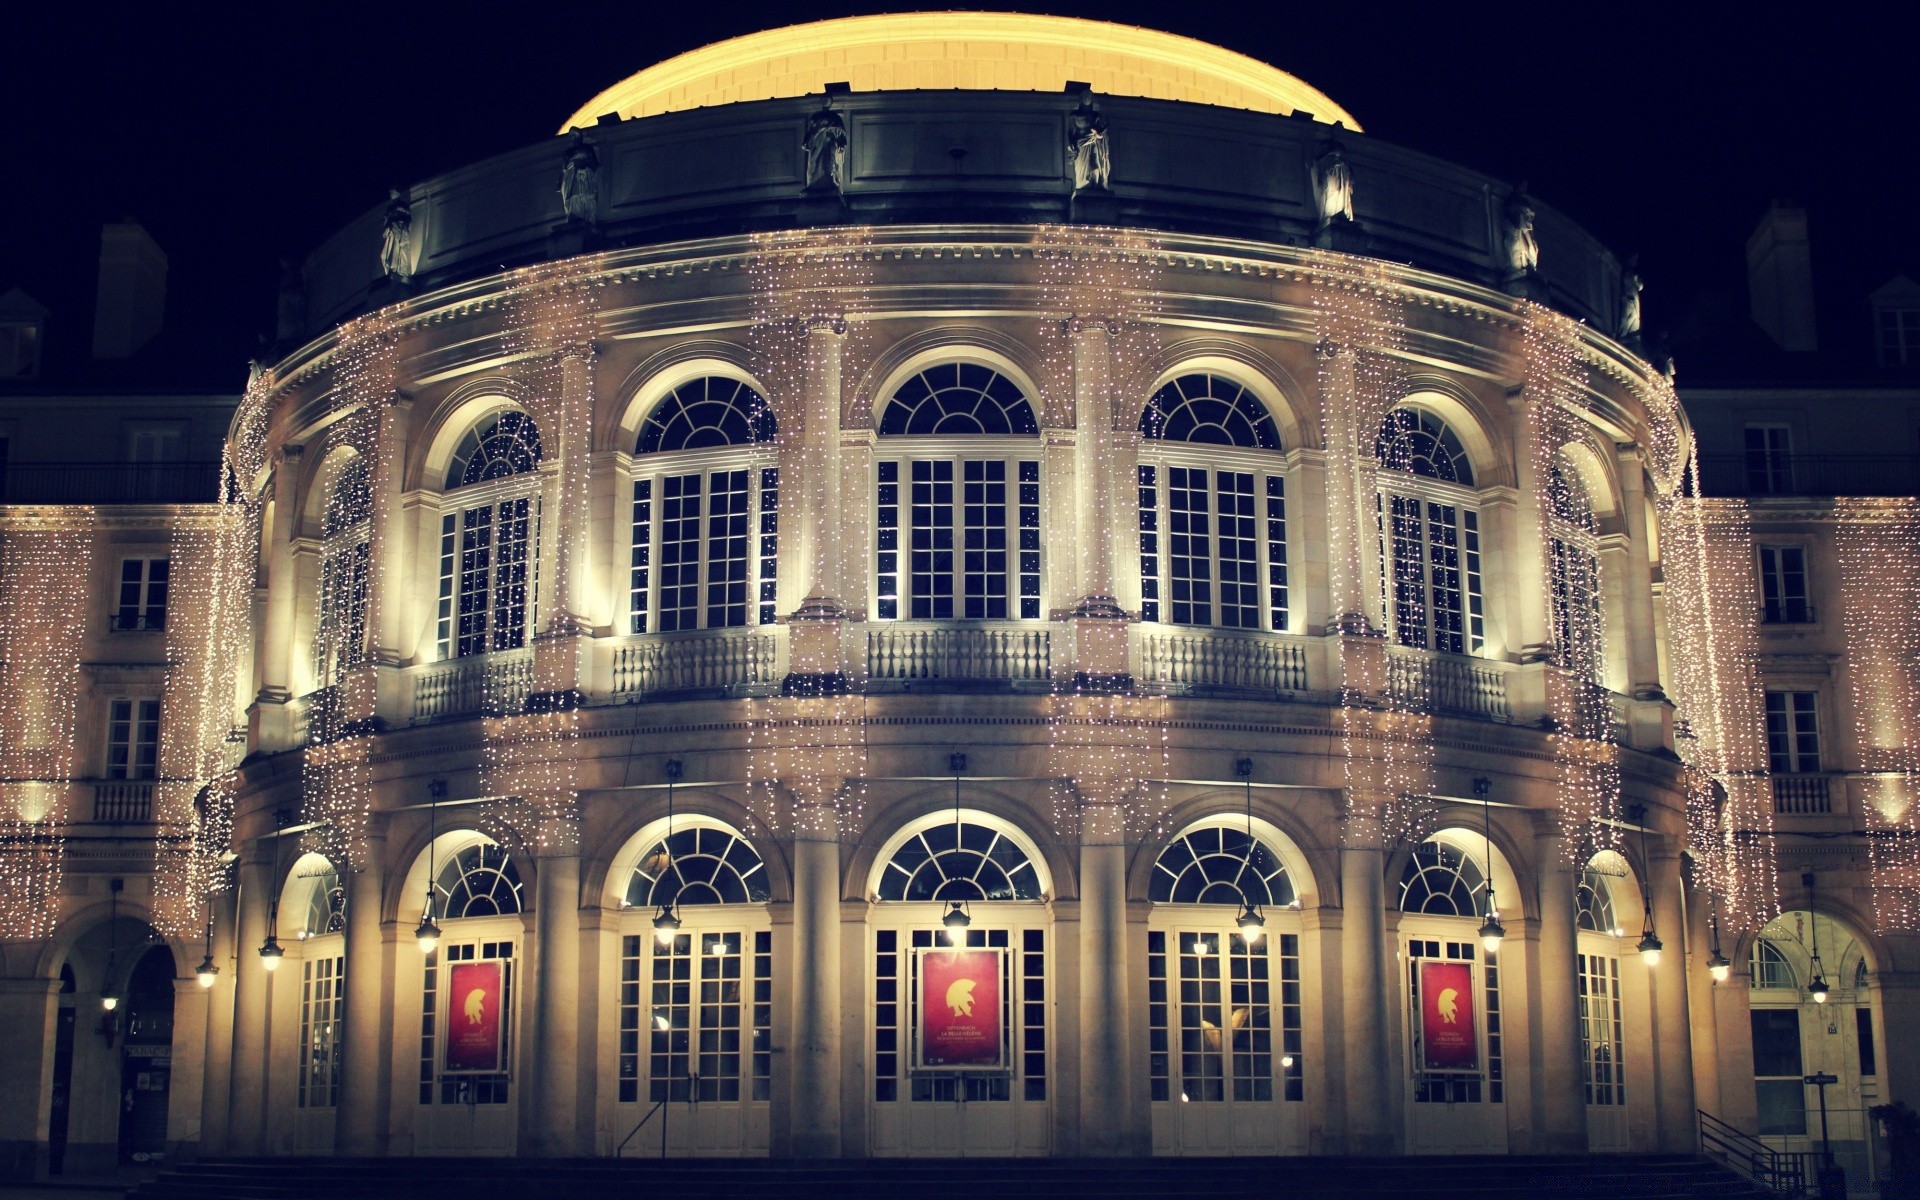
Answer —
(110, 483)
(716, 660)
(905, 654)
(490, 684)
(1448, 683)
(1252, 662)
(120, 801)
(152, 620)
(1810, 475)
(1801, 795)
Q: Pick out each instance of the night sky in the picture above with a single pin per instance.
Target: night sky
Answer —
(242, 136)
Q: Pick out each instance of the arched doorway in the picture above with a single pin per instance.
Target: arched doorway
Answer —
(1815, 1010)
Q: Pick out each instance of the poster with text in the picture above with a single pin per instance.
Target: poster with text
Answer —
(473, 1017)
(960, 1010)
(1446, 1017)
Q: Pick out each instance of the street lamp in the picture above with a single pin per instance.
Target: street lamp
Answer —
(1718, 966)
(1492, 933)
(108, 1000)
(1818, 987)
(1650, 945)
(1251, 922)
(428, 934)
(207, 973)
(271, 951)
(666, 921)
(956, 922)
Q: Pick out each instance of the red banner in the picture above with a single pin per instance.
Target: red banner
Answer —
(473, 1017)
(960, 1005)
(1446, 1017)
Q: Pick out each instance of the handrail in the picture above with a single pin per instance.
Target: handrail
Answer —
(1781, 1172)
(636, 1129)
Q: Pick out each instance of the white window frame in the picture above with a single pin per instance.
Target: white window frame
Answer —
(906, 450)
(142, 732)
(762, 556)
(144, 614)
(454, 507)
(1798, 702)
(1774, 579)
(323, 1009)
(1273, 589)
(1470, 536)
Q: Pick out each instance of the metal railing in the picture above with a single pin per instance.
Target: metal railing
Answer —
(716, 659)
(1801, 795)
(1810, 475)
(1782, 1172)
(908, 653)
(661, 1108)
(152, 620)
(121, 801)
(1203, 658)
(110, 483)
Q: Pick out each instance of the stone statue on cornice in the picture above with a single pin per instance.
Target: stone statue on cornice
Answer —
(396, 238)
(1630, 289)
(1332, 182)
(580, 180)
(1519, 247)
(826, 148)
(1089, 151)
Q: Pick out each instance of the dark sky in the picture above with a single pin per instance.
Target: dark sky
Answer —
(242, 135)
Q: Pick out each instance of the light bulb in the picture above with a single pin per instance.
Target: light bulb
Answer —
(207, 973)
(1720, 971)
(271, 953)
(428, 935)
(1649, 948)
(1492, 933)
(109, 1002)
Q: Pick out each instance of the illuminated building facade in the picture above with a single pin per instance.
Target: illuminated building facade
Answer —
(976, 585)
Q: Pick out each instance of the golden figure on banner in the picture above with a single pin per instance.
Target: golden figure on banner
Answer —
(960, 997)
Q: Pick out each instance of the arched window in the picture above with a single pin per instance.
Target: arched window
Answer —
(487, 599)
(346, 531)
(1574, 576)
(502, 444)
(706, 864)
(706, 525)
(326, 904)
(1441, 881)
(1429, 536)
(707, 412)
(1594, 899)
(1220, 865)
(959, 861)
(1213, 522)
(958, 534)
(958, 398)
(479, 881)
(1769, 968)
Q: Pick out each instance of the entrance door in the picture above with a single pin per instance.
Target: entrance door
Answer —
(1602, 1068)
(947, 1113)
(1224, 1058)
(467, 1044)
(1457, 1074)
(704, 1001)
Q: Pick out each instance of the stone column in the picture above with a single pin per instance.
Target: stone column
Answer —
(252, 1019)
(1673, 1052)
(28, 1012)
(1374, 1102)
(813, 519)
(396, 576)
(816, 978)
(189, 1062)
(217, 1093)
(367, 1047)
(566, 519)
(1560, 1119)
(270, 715)
(1651, 715)
(1702, 1004)
(1107, 1047)
(556, 1005)
(1352, 567)
(1900, 1025)
(1100, 626)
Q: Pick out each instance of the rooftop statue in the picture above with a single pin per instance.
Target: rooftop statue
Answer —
(826, 148)
(1630, 289)
(580, 180)
(1332, 182)
(1518, 245)
(396, 238)
(1089, 151)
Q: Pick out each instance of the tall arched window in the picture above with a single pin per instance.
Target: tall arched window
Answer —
(706, 511)
(346, 533)
(959, 860)
(1440, 880)
(705, 864)
(1213, 508)
(479, 881)
(1429, 535)
(1212, 1010)
(1573, 570)
(1594, 904)
(957, 516)
(1770, 969)
(489, 538)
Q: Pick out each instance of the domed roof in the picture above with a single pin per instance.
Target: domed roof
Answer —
(1015, 52)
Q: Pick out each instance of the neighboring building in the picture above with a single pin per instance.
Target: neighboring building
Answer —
(962, 617)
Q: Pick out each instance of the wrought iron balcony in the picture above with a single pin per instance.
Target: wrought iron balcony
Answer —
(1758, 475)
(110, 483)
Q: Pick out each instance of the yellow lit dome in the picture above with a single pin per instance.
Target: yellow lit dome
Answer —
(980, 51)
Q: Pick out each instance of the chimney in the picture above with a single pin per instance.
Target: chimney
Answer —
(133, 290)
(1780, 277)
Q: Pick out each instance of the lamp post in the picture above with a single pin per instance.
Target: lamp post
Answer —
(958, 915)
(207, 973)
(428, 933)
(1251, 921)
(1718, 966)
(1650, 945)
(271, 952)
(666, 919)
(109, 1001)
(1818, 985)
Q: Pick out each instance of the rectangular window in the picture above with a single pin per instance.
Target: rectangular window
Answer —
(1600, 1030)
(1189, 546)
(323, 1007)
(1277, 553)
(489, 1087)
(769, 544)
(341, 639)
(984, 544)
(708, 1036)
(443, 602)
(887, 540)
(494, 579)
(1030, 540)
(1476, 606)
(1431, 574)
(1778, 1091)
(1899, 336)
(1149, 495)
(1448, 611)
(1456, 1087)
(1769, 460)
(1023, 1018)
(133, 739)
(142, 602)
(1239, 550)
(1212, 1068)
(931, 577)
(1793, 734)
(1573, 592)
(1783, 586)
(429, 1024)
(679, 553)
(640, 578)
(1863, 1033)
(1409, 573)
(728, 555)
